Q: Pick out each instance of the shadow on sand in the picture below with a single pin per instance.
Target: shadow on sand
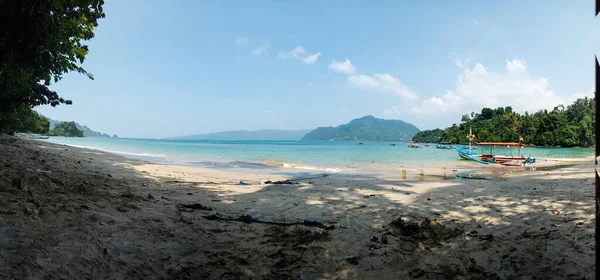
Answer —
(120, 223)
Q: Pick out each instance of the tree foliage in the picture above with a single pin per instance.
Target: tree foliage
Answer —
(429, 136)
(40, 40)
(24, 119)
(66, 129)
(567, 127)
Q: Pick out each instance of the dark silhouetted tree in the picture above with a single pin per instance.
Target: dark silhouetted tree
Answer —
(40, 40)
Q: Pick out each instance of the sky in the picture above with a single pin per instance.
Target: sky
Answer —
(173, 68)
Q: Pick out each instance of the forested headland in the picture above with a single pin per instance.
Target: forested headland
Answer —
(573, 126)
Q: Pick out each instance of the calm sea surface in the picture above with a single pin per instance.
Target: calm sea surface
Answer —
(335, 156)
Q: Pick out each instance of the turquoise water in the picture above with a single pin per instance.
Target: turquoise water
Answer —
(318, 155)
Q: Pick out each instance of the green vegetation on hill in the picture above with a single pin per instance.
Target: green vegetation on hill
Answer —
(66, 129)
(24, 119)
(429, 136)
(567, 127)
(366, 128)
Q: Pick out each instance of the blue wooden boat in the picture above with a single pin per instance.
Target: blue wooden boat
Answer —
(444, 145)
(37, 136)
(470, 154)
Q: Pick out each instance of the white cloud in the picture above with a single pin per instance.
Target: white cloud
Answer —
(295, 53)
(257, 45)
(301, 54)
(342, 66)
(458, 63)
(261, 49)
(393, 111)
(588, 94)
(344, 110)
(270, 112)
(384, 83)
(241, 40)
(461, 64)
(477, 88)
(376, 82)
(311, 59)
(364, 81)
(515, 65)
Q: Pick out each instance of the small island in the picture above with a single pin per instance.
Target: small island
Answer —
(66, 129)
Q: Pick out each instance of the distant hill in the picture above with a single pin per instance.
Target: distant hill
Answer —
(87, 132)
(366, 128)
(266, 134)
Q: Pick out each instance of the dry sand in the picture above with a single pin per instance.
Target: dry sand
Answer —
(102, 216)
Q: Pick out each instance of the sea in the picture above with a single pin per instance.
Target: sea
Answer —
(316, 156)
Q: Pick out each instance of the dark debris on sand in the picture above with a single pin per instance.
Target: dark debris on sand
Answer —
(428, 231)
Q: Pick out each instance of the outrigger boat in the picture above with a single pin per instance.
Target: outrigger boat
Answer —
(413, 144)
(467, 147)
(37, 136)
(508, 160)
(444, 145)
(469, 154)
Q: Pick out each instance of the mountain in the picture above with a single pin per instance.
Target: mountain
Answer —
(367, 128)
(87, 132)
(265, 134)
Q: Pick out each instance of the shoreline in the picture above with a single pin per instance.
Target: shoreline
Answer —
(423, 171)
(97, 214)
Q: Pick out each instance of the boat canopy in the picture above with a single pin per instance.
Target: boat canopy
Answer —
(512, 144)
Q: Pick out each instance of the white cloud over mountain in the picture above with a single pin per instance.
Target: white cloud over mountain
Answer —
(477, 88)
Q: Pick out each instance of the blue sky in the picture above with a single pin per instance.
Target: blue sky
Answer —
(171, 68)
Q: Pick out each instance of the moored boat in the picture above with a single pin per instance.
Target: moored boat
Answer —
(467, 152)
(37, 136)
(413, 144)
(467, 147)
(509, 159)
(444, 145)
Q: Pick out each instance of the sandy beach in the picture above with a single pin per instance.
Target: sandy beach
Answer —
(96, 215)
